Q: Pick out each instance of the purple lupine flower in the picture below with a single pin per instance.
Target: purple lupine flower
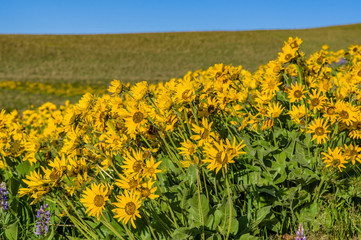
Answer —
(43, 220)
(300, 233)
(4, 197)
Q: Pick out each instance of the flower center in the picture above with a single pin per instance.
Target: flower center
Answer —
(315, 101)
(352, 153)
(211, 108)
(138, 117)
(297, 94)
(137, 166)
(220, 160)
(331, 110)
(319, 60)
(344, 114)
(276, 69)
(130, 208)
(294, 44)
(54, 175)
(146, 154)
(359, 73)
(186, 94)
(145, 192)
(191, 150)
(288, 56)
(271, 85)
(320, 131)
(99, 200)
(133, 183)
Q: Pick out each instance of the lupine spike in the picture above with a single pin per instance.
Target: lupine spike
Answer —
(4, 197)
(300, 233)
(42, 224)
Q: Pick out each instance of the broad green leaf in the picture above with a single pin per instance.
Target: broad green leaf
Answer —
(11, 231)
(261, 215)
(192, 174)
(199, 208)
(23, 168)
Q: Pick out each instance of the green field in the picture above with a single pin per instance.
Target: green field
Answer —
(152, 57)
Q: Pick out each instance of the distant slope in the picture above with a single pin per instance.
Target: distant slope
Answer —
(152, 57)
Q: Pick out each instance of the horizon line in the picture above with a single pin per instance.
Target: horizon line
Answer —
(190, 31)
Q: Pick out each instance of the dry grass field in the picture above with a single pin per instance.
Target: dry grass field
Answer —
(152, 57)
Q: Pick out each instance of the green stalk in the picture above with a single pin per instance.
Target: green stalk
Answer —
(205, 184)
(187, 121)
(230, 207)
(130, 234)
(111, 228)
(200, 209)
(150, 226)
(76, 222)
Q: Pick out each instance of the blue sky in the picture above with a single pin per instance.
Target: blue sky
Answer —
(134, 16)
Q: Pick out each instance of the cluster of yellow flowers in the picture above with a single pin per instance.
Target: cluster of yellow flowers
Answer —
(62, 89)
(113, 141)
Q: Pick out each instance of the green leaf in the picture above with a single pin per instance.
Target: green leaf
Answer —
(23, 168)
(192, 174)
(247, 236)
(215, 237)
(183, 233)
(14, 186)
(260, 216)
(199, 208)
(11, 231)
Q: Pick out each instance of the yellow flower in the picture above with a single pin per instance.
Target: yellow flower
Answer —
(146, 191)
(297, 112)
(294, 43)
(185, 91)
(94, 199)
(319, 129)
(345, 113)
(135, 120)
(134, 164)
(37, 186)
(188, 149)
(150, 169)
(334, 158)
(274, 68)
(297, 92)
(233, 149)
(139, 90)
(127, 206)
(352, 153)
(287, 54)
(274, 110)
(207, 107)
(316, 101)
(267, 124)
(203, 134)
(270, 85)
(115, 87)
(217, 156)
(329, 111)
(127, 183)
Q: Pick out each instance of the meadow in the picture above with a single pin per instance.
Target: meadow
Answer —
(153, 57)
(217, 153)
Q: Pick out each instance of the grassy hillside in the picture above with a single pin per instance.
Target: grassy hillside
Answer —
(153, 57)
